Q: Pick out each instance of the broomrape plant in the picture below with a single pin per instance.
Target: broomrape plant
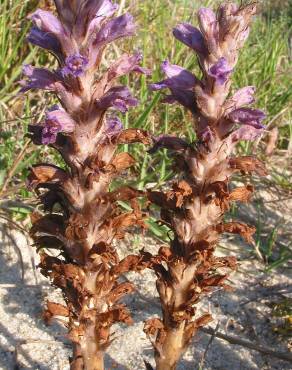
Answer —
(195, 206)
(81, 217)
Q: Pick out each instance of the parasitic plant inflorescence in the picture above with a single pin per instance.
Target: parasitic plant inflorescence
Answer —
(194, 208)
(80, 217)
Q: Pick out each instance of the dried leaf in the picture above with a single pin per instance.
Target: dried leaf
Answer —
(151, 326)
(180, 191)
(248, 164)
(119, 314)
(124, 193)
(203, 320)
(237, 228)
(133, 135)
(242, 193)
(216, 280)
(51, 224)
(272, 141)
(123, 221)
(121, 162)
(46, 173)
(105, 251)
(54, 309)
(120, 291)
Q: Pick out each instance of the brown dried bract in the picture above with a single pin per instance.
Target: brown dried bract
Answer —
(132, 135)
(53, 310)
(243, 230)
(248, 164)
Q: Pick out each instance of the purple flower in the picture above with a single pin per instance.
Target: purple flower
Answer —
(243, 35)
(41, 78)
(57, 120)
(244, 96)
(209, 27)
(186, 98)
(75, 65)
(220, 71)
(113, 125)
(168, 142)
(118, 97)
(245, 133)
(180, 82)
(248, 116)
(206, 135)
(191, 37)
(126, 64)
(96, 12)
(45, 40)
(106, 8)
(116, 28)
(178, 78)
(48, 23)
(207, 19)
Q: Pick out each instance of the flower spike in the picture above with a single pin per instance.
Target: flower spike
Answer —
(194, 205)
(81, 217)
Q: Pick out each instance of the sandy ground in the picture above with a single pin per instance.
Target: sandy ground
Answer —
(26, 343)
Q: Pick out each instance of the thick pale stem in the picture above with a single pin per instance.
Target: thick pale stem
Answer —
(172, 349)
(93, 357)
(86, 355)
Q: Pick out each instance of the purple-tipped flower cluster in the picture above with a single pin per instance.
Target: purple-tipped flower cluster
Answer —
(77, 37)
(216, 43)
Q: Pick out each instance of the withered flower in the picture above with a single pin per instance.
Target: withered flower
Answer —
(81, 217)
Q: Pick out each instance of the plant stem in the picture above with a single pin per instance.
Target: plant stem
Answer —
(172, 349)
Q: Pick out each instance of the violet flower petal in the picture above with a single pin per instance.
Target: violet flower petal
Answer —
(206, 135)
(44, 40)
(48, 136)
(244, 96)
(47, 22)
(245, 133)
(118, 97)
(41, 78)
(191, 37)
(207, 19)
(209, 27)
(178, 78)
(186, 98)
(114, 29)
(248, 116)
(57, 120)
(61, 118)
(113, 125)
(98, 13)
(220, 71)
(208, 22)
(126, 64)
(75, 65)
